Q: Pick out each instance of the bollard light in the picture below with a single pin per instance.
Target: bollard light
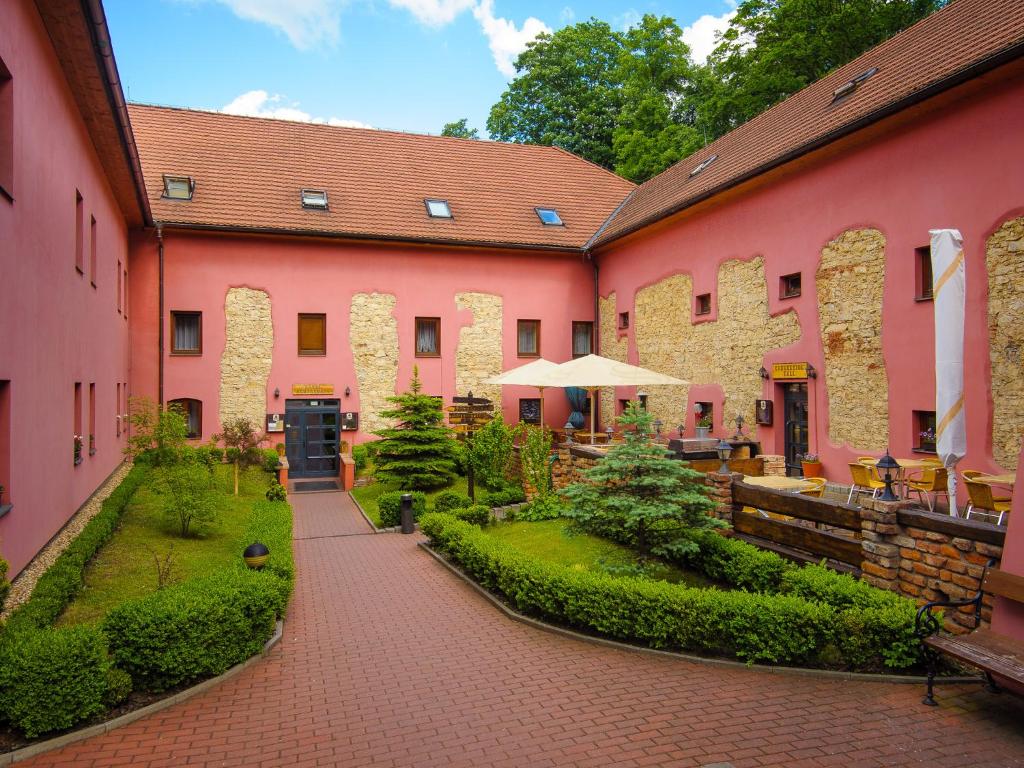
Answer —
(888, 463)
(256, 555)
(723, 449)
(408, 524)
(569, 429)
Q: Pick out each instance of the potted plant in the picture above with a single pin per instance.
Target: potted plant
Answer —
(926, 440)
(703, 426)
(811, 465)
(78, 449)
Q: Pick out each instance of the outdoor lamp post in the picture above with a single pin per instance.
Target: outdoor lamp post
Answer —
(888, 463)
(569, 429)
(658, 424)
(723, 449)
(609, 430)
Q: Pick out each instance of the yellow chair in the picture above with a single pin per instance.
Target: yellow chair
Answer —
(818, 487)
(982, 498)
(864, 481)
(931, 482)
(970, 474)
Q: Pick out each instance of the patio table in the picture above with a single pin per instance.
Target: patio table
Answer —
(1004, 479)
(777, 483)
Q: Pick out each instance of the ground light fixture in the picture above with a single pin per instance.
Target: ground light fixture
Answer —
(888, 463)
(569, 429)
(256, 555)
(723, 449)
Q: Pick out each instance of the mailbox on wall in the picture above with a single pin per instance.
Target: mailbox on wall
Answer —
(349, 421)
(763, 412)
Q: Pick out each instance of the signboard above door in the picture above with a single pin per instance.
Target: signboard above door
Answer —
(790, 371)
(312, 389)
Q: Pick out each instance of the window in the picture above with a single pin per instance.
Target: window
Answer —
(528, 338)
(549, 217)
(92, 251)
(529, 410)
(117, 412)
(923, 273)
(428, 337)
(6, 131)
(623, 405)
(79, 233)
(702, 165)
(438, 209)
(704, 304)
(789, 286)
(312, 334)
(119, 283)
(179, 187)
(192, 410)
(704, 414)
(623, 320)
(186, 333)
(314, 198)
(5, 446)
(582, 338)
(850, 86)
(124, 275)
(924, 428)
(92, 418)
(76, 423)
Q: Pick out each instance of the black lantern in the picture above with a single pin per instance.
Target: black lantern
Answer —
(256, 555)
(739, 427)
(723, 449)
(657, 429)
(610, 432)
(569, 429)
(888, 463)
(681, 427)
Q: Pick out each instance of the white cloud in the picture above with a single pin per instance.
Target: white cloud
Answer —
(701, 35)
(627, 19)
(306, 23)
(506, 41)
(434, 13)
(567, 15)
(259, 103)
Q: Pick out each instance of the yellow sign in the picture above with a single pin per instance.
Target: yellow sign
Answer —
(312, 389)
(789, 371)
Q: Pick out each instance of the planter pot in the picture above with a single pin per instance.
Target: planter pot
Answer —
(812, 469)
(702, 432)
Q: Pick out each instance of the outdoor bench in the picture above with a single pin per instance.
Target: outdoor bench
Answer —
(991, 652)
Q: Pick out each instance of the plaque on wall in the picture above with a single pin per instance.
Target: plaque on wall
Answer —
(796, 371)
(312, 389)
(763, 412)
(275, 422)
(349, 421)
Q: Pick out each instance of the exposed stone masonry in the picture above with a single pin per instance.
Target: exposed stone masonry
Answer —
(479, 354)
(612, 347)
(850, 278)
(373, 334)
(1004, 259)
(248, 354)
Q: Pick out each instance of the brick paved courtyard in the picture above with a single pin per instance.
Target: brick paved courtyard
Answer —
(388, 660)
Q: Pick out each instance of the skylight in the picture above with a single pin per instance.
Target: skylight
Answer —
(314, 198)
(702, 165)
(850, 86)
(178, 187)
(438, 209)
(549, 217)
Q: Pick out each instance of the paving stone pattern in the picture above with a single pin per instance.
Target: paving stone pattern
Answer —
(389, 660)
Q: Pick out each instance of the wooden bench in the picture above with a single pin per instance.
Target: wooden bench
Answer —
(989, 651)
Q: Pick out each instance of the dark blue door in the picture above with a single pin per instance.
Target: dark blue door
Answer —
(311, 437)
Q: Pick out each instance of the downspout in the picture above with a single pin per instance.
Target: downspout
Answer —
(597, 303)
(160, 343)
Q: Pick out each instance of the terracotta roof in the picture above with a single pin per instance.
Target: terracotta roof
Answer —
(248, 173)
(959, 41)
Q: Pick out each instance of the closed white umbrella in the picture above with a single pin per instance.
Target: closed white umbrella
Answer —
(527, 375)
(949, 286)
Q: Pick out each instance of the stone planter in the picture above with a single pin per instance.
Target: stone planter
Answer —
(702, 432)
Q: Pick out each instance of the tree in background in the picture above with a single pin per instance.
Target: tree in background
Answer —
(242, 439)
(158, 436)
(460, 130)
(418, 452)
(490, 453)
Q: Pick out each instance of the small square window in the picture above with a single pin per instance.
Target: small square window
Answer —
(528, 338)
(186, 333)
(704, 304)
(549, 217)
(789, 286)
(6, 131)
(428, 337)
(923, 273)
(314, 198)
(92, 252)
(924, 429)
(120, 284)
(704, 414)
(312, 334)
(623, 405)
(582, 338)
(623, 320)
(79, 233)
(178, 187)
(438, 209)
(529, 410)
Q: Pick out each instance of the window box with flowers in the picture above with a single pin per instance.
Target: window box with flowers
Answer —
(92, 445)
(926, 440)
(78, 449)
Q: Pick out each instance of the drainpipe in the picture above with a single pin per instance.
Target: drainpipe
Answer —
(160, 343)
(597, 304)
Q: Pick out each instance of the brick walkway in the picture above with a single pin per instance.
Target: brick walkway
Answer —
(388, 660)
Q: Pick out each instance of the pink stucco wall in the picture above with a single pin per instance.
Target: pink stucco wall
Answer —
(303, 275)
(960, 167)
(1008, 615)
(55, 327)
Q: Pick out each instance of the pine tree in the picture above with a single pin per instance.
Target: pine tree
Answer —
(419, 451)
(637, 488)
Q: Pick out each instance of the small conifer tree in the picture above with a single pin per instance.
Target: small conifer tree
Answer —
(637, 488)
(418, 452)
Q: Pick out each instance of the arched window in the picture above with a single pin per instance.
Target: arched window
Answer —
(192, 410)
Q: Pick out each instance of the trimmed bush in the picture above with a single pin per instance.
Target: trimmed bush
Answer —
(270, 459)
(361, 456)
(504, 497)
(196, 629)
(5, 585)
(271, 524)
(448, 501)
(476, 514)
(276, 492)
(119, 686)
(51, 679)
(389, 505)
(732, 561)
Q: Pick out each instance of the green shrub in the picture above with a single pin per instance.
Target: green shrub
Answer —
(490, 453)
(51, 679)
(542, 508)
(196, 629)
(189, 502)
(731, 561)
(361, 456)
(270, 460)
(389, 505)
(476, 514)
(276, 492)
(504, 497)
(5, 585)
(448, 501)
(119, 686)
(271, 524)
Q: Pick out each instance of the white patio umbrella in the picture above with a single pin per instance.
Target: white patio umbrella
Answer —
(527, 375)
(593, 372)
(948, 297)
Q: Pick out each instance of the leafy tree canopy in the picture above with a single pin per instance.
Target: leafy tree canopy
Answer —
(460, 129)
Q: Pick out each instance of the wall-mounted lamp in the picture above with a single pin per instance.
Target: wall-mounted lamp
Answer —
(347, 391)
(277, 392)
(764, 373)
(811, 373)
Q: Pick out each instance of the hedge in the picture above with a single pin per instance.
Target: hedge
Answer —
(389, 506)
(754, 627)
(449, 501)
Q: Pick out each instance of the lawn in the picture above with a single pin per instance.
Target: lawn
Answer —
(367, 495)
(553, 540)
(125, 567)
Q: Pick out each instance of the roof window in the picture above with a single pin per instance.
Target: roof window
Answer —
(549, 217)
(850, 86)
(702, 165)
(314, 198)
(179, 187)
(438, 209)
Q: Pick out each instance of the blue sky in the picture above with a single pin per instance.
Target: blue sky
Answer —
(398, 64)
